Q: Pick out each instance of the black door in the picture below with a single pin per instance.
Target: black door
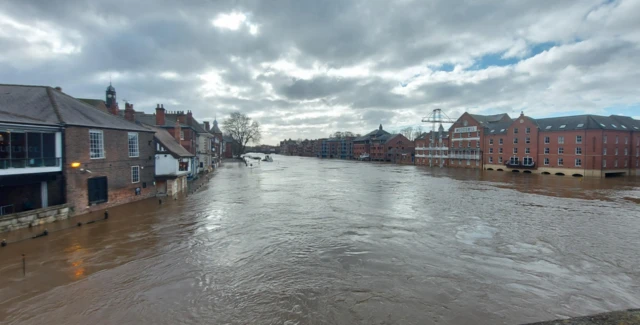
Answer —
(98, 191)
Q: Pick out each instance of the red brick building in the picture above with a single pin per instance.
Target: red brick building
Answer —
(583, 145)
(398, 149)
(466, 137)
(106, 160)
(369, 146)
(432, 149)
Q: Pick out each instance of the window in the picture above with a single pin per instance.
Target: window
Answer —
(604, 151)
(500, 159)
(477, 144)
(626, 140)
(616, 139)
(527, 140)
(468, 134)
(97, 190)
(615, 163)
(527, 161)
(514, 161)
(134, 150)
(578, 162)
(546, 161)
(491, 160)
(135, 174)
(490, 150)
(546, 140)
(460, 144)
(468, 162)
(515, 140)
(527, 130)
(578, 150)
(183, 165)
(578, 139)
(515, 130)
(560, 161)
(560, 150)
(548, 127)
(563, 126)
(580, 125)
(604, 163)
(527, 150)
(546, 151)
(604, 139)
(515, 150)
(468, 144)
(96, 144)
(626, 151)
(625, 163)
(560, 140)
(478, 134)
(500, 150)
(181, 135)
(500, 141)
(491, 141)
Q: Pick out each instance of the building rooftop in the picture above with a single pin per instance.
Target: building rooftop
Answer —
(498, 128)
(589, 122)
(44, 105)
(486, 119)
(170, 143)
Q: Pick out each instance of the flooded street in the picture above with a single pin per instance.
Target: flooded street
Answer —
(309, 241)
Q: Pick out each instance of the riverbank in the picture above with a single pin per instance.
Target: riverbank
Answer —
(623, 317)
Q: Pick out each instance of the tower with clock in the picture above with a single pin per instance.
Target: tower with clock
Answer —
(111, 96)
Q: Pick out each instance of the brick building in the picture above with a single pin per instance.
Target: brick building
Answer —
(105, 159)
(398, 149)
(363, 147)
(466, 137)
(432, 149)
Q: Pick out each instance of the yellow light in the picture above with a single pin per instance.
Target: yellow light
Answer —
(75, 164)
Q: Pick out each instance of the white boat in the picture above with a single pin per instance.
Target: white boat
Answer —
(267, 158)
(364, 156)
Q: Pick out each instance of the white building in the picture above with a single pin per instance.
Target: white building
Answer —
(173, 164)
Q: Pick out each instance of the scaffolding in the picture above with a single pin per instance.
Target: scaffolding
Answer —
(437, 116)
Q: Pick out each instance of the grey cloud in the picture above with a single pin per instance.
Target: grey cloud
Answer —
(144, 38)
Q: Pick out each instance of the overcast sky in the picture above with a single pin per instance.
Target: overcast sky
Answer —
(305, 69)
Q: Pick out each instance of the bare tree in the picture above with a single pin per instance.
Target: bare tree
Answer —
(242, 130)
(417, 132)
(407, 132)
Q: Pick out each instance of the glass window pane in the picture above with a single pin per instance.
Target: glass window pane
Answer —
(18, 150)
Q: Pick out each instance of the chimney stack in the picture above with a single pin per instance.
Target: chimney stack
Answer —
(113, 108)
(176, 131)
(159, 114)
(180, 117)
(189, 118)
(129, 113)
(207, 126)
(58, 89)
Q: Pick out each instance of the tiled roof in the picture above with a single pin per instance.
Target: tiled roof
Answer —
(215, 129)
(375, 133)
(588, 122)
(498, 128)
(47, 106)
(486, 119)
(169, 142)
(97, 103)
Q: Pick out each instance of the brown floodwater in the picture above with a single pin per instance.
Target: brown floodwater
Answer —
(309, 241)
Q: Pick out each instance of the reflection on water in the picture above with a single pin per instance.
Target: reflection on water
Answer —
(308, 241)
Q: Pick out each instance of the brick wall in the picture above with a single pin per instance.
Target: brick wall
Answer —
(116, 166)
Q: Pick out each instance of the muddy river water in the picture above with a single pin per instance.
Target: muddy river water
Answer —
(309, 241)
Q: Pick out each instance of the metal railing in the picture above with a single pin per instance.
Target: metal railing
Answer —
(29, 163)
(464, 156)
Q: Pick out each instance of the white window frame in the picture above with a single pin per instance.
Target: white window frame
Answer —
(560, 161)
(560, 139)
(500, 141)
(181, 135)
(490, 160)
(490, 150)
(515, 140)
(500, 160)
(547, 150)
(136, 173)
(578, 162)
(604, 163)
(527, 150)
(578, 139)
(547, 140)
(578, 150)
(604, 151)
(561, 150)
(137, 144)
(490, 142)
(617, 139)
(604, 139)
(546, 161)
(515, 150)
(99, 142)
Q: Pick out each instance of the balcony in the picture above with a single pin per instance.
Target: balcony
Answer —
(465, 156)
(520, 165)
(29, 166)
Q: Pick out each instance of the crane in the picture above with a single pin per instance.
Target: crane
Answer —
(437, 116)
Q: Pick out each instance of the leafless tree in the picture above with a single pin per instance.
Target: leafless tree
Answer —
(407, 132)
(242, 130)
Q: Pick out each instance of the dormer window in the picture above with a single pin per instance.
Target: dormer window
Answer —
(563, 126)
(580, 125)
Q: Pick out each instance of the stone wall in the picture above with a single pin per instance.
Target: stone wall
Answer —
(34, 217)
